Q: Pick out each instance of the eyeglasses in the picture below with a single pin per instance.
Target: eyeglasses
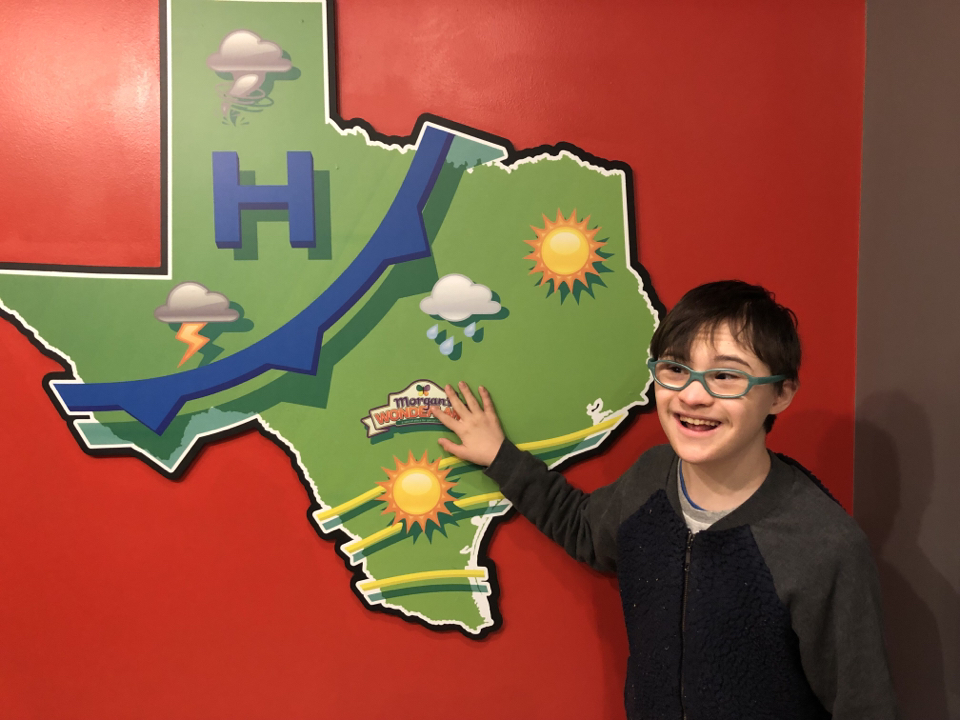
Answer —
(719, 382)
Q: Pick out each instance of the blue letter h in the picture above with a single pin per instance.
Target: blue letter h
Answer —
(230, 198)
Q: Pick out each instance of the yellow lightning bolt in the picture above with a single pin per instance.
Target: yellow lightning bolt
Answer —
(188, 334)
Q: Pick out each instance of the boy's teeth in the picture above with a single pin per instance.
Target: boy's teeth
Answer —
(695, 421)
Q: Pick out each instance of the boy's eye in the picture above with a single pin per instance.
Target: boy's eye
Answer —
(728, 382)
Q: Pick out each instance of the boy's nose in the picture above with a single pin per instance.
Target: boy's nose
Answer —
(696, 394)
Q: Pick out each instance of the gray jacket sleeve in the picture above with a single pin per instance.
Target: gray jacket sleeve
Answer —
(585, 524)
(828, 581)
(855, 679)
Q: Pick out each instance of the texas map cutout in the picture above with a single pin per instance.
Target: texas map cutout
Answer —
(327, 282)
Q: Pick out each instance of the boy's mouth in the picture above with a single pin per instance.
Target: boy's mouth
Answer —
(697, 424)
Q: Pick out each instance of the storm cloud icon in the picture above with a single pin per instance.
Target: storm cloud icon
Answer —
(249, 58)
(192, 305)
(191, 302)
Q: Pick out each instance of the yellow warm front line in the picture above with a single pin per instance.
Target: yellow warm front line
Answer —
(462, 503)
(369, 585)
(359, 500)
(373, 539)
(572, 437)
(551, 443)
(478, 499)
(547, 444)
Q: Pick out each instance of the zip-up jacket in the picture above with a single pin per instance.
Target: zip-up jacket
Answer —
(771, 613)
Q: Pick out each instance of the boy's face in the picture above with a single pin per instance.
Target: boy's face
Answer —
(705, 430)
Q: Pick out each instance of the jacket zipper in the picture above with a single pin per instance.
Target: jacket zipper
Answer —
(683, 615)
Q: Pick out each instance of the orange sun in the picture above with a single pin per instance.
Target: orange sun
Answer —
(416, 492)
(564, 250)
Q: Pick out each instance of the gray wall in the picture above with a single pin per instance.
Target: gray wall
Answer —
(906, 491)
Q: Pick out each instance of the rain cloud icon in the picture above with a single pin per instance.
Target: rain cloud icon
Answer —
(456, 297)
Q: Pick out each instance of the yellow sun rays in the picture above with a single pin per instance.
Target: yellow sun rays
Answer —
(564, 251)
(416, 492)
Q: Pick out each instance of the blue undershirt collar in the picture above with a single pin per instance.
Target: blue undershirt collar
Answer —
(683, 488)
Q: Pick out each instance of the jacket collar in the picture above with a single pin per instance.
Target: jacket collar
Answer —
(775, 487)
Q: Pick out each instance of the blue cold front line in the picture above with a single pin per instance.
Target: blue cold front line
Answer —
(294, 347)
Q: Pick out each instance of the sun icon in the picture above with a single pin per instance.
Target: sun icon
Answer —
(564, 250)
(416, 492)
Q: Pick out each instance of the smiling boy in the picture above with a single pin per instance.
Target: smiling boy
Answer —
(747, 591)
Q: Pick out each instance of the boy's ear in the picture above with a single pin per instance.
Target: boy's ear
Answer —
(787, 390)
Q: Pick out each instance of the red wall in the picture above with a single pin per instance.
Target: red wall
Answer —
(127, 595)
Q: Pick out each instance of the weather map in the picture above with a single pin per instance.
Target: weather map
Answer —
(325, 283)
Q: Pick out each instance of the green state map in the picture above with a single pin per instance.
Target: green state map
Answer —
(524, 283)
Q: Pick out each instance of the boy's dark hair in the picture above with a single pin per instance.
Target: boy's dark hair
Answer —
(755, 318)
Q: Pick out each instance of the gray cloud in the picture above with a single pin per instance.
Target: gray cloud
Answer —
(192, 302)
(245, 52)
(456, 297)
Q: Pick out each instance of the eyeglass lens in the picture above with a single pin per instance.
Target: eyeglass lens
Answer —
(721, 382)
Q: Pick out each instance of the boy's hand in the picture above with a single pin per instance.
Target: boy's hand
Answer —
(478, 427)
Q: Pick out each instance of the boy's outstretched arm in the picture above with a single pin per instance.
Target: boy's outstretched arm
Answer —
(478, 427)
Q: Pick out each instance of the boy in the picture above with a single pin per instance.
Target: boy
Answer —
(747, 591)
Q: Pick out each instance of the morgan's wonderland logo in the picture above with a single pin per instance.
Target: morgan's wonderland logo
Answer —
(410, 406)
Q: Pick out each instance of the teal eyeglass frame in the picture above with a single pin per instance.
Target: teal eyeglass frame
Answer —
(701, 377)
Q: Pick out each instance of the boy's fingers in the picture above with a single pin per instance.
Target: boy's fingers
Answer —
(448, 422)
(454, 399)
(469, 398)
(487, 401)
(449, 446)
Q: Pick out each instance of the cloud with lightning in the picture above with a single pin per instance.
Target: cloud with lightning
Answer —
(193, 306)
